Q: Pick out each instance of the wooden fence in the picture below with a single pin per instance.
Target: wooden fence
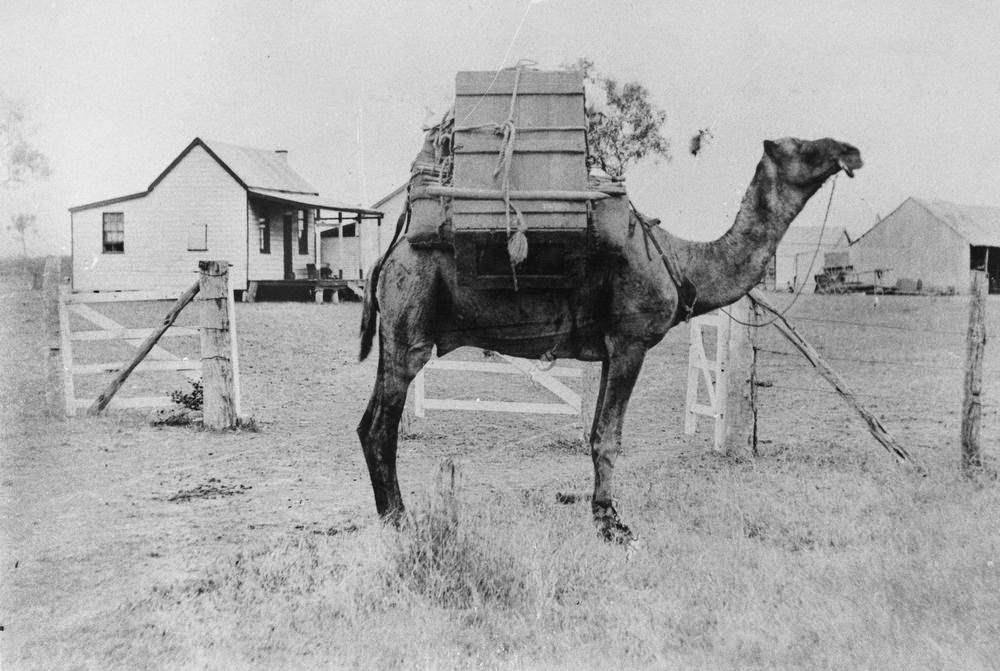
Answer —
(569, 400)
(731, 389)
(217, 367)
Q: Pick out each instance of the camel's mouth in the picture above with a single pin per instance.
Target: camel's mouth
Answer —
(850, 163)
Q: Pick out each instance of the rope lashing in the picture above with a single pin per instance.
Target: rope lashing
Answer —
(517, 241)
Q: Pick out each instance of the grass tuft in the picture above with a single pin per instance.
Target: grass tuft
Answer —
(452, 564)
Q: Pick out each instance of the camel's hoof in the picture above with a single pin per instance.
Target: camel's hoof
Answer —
(611, 528)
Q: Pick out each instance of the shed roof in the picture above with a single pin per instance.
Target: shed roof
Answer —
(979, 225)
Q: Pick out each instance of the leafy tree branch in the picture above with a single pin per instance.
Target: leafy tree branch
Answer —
(623, 125)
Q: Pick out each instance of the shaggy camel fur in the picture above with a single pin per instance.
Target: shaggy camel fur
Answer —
(625, 305)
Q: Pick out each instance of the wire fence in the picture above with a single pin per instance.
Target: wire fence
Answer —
(906, 359)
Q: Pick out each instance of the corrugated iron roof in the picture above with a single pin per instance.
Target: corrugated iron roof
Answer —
(263, 170)
(309, 200)
(979, 225)
(260, 168)
(387, 197)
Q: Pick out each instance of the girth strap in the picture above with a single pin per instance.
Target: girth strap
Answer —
(687, 294)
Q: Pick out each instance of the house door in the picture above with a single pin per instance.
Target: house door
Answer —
(287, 247)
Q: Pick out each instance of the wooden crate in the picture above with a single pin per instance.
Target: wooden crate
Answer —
(550, 152)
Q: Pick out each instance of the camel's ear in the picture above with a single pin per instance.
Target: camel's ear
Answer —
(771, 149)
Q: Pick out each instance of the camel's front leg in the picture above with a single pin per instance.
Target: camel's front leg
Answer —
(618, 375)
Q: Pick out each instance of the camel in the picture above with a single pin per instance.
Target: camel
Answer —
(628, 301)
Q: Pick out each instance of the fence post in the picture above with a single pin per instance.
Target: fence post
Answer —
(740, 403)
(418, 393)
(216, 346)
(972, 403)
(51, 297)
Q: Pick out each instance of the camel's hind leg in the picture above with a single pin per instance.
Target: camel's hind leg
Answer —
(618, 375)
(379, 427)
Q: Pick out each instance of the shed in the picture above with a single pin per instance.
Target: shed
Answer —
(214, 200)
(355, 246)
(932, 244)
(800, 248)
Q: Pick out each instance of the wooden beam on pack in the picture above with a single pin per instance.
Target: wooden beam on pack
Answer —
(497, 194)
(519, 129)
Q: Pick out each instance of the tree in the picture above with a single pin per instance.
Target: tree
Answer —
(625, 126)
(21, 223)
(20, 163)
(19, 159)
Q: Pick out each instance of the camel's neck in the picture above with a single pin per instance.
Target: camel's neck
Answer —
(724, 270)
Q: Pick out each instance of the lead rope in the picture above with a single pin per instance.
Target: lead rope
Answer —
(798, 292)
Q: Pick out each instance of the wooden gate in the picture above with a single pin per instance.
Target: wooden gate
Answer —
(711, 371)
(158, 359)
(569, 400)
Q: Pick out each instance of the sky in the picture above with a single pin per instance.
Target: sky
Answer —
(115, 90)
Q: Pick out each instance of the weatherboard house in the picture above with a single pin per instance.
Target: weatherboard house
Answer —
(214, 201)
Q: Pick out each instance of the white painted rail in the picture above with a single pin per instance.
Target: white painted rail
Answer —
(569, 400)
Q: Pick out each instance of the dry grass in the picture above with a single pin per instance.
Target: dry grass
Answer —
(761, 568)
(820, 554)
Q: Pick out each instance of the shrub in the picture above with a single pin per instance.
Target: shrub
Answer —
(194, 400)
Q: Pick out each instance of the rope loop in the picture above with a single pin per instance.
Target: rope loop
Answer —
(517, 240)
(798, 292)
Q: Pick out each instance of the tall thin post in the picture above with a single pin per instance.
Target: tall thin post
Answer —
(216, 346)
(972, 403)
(340, 244)
(234, 354)
(418, 393)
(722, 380)
(51, 281)
(360, 239)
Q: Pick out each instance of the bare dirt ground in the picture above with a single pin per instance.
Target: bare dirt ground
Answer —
(129, 546)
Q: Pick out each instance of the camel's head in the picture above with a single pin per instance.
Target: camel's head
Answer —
(811, 162)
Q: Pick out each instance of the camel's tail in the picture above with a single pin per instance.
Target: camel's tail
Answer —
(369, 311)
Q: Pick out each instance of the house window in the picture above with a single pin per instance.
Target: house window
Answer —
(265, 236)
(303, 233)
(113, 234)
(198, 237)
